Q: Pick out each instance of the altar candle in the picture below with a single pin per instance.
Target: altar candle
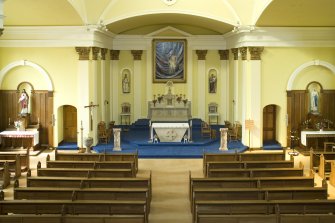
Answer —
(9, 121)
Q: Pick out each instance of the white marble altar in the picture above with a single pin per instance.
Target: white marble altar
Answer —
(170, 132)
(315, 134)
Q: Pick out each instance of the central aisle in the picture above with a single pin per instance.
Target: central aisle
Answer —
(170, 180)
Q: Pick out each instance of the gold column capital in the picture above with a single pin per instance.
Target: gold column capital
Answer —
(114, 54)
(244, 52)
(84, 52)
(137, 54)
(201, 54)
(103, 53)
(235, 53)
(95, 52)
(224, 54)
(255, 52)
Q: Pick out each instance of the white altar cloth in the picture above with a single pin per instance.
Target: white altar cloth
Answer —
(170, 132)
(22, 134)
(315, 134)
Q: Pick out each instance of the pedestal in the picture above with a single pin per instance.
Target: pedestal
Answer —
(88, 144)
(117, 139)
(223, 137)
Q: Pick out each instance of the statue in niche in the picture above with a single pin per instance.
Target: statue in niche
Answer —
(24, 101)
(125, 84)
(212, 83)
(314, 90)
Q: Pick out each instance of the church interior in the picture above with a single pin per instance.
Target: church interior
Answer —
(167, 111)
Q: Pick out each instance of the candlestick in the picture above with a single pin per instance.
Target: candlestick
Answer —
(9, 121)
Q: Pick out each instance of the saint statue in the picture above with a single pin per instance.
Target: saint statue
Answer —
(314, 101)
(125, 84)
(24, 101)
(212, 84)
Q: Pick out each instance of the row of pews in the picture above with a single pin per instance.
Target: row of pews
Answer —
(324, 164)
(77, 187)
(257, 187)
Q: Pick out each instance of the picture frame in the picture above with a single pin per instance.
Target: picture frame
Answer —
(169, 60)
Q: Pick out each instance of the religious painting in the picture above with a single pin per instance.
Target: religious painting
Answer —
(169, 60)
(314, 91)
(126, 81)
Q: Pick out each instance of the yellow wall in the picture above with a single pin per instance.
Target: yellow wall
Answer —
(277, 66)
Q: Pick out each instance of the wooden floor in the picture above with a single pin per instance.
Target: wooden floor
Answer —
(170, 180)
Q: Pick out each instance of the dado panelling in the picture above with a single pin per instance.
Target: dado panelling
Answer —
(40, 111)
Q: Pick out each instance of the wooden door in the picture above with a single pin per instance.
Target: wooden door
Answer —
(269, 123)
(70, 123)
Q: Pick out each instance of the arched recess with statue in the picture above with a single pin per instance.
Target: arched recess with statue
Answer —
(25, 76)
(310, 104)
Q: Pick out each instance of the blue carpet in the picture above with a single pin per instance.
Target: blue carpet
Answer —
(272, 145)
(136, 139)
(67, 146)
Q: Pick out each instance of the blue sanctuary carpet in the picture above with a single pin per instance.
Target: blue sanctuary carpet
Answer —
(272, 145)
(67, 146)
(138, 135)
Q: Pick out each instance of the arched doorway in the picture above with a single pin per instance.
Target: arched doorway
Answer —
(69, 123)
(270, 123)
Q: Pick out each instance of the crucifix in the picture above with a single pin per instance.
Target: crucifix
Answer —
(90, 107)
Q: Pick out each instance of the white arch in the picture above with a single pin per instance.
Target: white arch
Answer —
(304, 66)
(37, 67)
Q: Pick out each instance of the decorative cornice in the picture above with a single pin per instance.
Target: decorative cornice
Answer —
(201, 54)
(137, 54)
(103, 53)
(255, 52)
(95, 52)
(244, 52)
(235, 53)
(84, 52)
(224, 54)
(1, 31)
(114, 54)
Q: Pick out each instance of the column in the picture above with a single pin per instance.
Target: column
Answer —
(201, 83)
(103, 99)
(256, 140)
(114, 78)
(149, 75)
(83, 91)
(137, 54)
(1, 17)
(244, 91)
(189, 78)
(224, 70)
(223, 138)
(235, 85)
(95, 90)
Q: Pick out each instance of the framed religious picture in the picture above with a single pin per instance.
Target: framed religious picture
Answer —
(169, 60)
(314, 91)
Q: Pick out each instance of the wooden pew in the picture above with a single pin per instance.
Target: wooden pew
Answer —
(4, 176)
(71, 172)
(255, 156)
(14, 165)
(315, 158)
(91, 164)
(84, 182)
(249, 164)
(78, 207)
(98, 157)
(272, 193)
(257, 172)
(261, 182)
(272, 218)
(59, 218)
(332, 173)
(52, 193)
(324, 168)
(261, 207)
(11, 155)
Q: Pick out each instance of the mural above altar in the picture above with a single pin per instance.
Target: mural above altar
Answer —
(169, 107)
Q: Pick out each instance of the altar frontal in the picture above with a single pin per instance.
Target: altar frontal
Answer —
(170, 132)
